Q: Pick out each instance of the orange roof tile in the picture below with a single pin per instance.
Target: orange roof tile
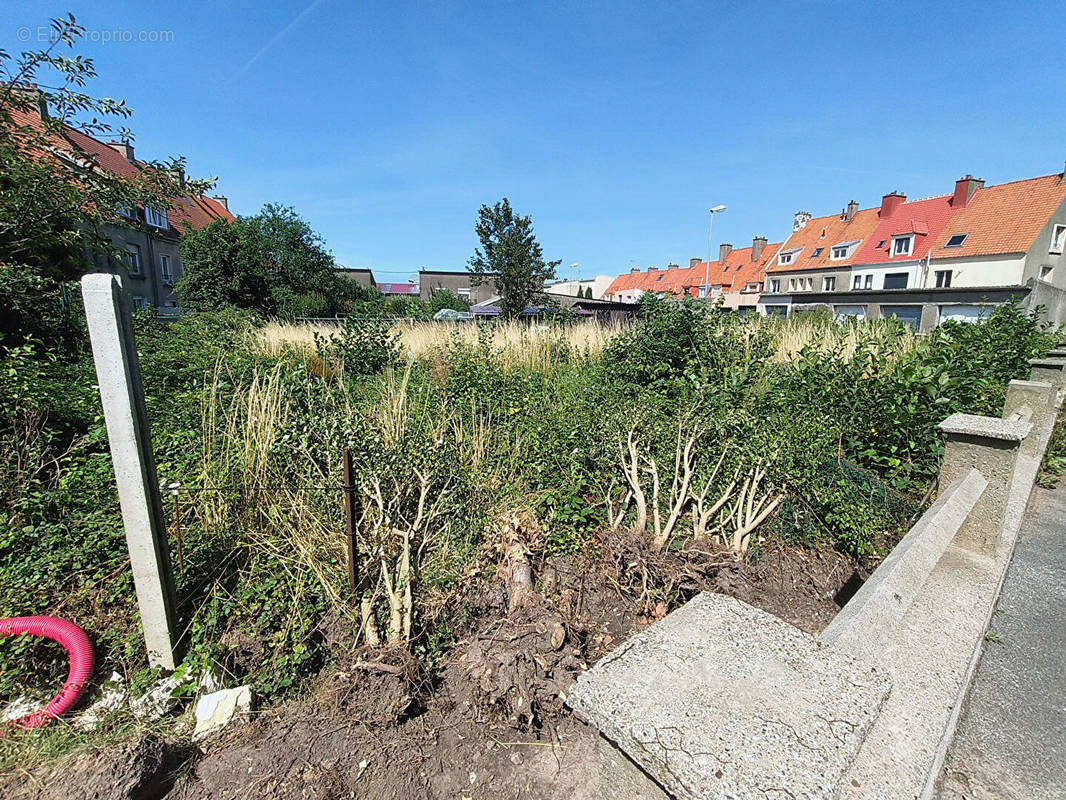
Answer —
(1005, 218)
(924, 218)
(824, 232)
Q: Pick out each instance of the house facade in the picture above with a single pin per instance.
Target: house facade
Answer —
(146, 240)
(943, 258)
(577, 288)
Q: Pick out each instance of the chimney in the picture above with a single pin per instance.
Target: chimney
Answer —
(890, 202)
(177, 174)
(724, 250)
(757, 245)
(801, 219)
(692, 262)
(964, 189)
(634, 270)
(671, 266)
(853, 209)
(125, 149)
(222, 200)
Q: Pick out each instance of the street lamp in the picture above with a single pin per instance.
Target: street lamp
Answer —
(707, 271)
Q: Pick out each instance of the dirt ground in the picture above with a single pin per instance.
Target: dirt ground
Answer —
(492, 723)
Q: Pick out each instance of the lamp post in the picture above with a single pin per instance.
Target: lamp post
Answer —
(707, 271)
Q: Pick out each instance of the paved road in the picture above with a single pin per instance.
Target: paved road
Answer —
(1011, 739)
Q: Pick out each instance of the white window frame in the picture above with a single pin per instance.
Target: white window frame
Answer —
(775, 286)
(829, 283)
(751, 287)
(1058, 239)
(1046, 272)
(157, 217)
(868, 281)
(164, 268)
(842, 251)
(962, 241)
(132, 257)
(463, 293)
(941, 281)
(909, 239)
(856, 282)
(785, 258)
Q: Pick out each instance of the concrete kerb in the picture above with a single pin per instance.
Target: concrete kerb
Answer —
(866, 623)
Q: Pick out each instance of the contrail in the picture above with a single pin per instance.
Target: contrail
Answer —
(276, 38)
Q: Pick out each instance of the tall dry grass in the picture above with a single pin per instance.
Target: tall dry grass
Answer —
(519, 344)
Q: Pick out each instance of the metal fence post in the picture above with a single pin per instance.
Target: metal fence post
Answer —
(118, 374)
(349, 521)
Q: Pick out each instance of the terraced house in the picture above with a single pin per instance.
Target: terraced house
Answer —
(925, 261)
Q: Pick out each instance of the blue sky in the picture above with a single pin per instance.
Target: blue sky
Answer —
(616, 125)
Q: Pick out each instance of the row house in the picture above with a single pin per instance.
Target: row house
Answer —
(925, 261)
(146, 240)
(735, 280)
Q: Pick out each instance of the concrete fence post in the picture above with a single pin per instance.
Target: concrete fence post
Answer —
(990, 446)
(1039, 398)
(118, 373)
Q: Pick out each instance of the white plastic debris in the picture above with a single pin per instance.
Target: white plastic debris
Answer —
(216, 710)
(158, 700)
(20, 707)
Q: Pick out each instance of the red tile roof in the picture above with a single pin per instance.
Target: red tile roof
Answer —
(924, 218)
(824, 232)
(738, 270)
(1005, 218)
(184, 212)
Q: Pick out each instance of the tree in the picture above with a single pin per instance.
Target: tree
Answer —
(446, 298)
(54, 197)
(271, 262)
(511, 257)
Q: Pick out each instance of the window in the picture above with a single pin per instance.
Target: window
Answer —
(909, 315)
(956, 240)
(901, 245)
(943, 278)
(881, 244)
(817, 252)
(751, 287)
(156, 217)
(132, 257)
(810, 284)
(1045, 272)
(896, 280)
(464, 293)
(1058, 239)
(857, 283)
(703, 291)
(784, 258)
(125, 210)
(139, 303)
(776, 311)
(792, 284)
(829, 284)
(164, 267)
(775, 286)
(868, 282)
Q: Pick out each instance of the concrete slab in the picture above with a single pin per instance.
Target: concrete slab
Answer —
(722, 700)
(1011, 740)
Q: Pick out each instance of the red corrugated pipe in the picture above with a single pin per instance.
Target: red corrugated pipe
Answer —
(78, 647)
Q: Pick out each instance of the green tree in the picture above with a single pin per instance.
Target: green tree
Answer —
(272, 262)
(511, 257)
(446, 298)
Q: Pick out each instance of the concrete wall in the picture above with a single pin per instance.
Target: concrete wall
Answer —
(1052, 298)
(599, 285)
(842, 275)
(1039, 255)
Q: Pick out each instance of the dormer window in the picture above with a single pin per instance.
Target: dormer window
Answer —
(956, 240)
(787, 256)
(157, 217)
(902, 245)
(842, 250)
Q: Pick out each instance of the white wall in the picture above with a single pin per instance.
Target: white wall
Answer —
(1005, 270)
(599, 285)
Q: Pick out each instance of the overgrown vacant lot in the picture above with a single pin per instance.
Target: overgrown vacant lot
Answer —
(526, 498)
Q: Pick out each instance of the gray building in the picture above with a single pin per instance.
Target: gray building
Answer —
(458, 281)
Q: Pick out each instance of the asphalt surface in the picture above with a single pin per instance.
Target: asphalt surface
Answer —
(1011, 740)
